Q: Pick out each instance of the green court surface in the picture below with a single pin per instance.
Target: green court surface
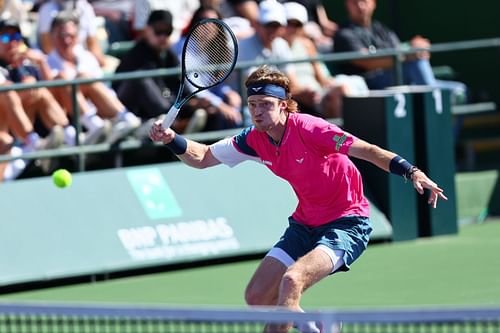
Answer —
(454, 270)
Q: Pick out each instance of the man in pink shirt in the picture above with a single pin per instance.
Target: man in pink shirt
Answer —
(330, 227)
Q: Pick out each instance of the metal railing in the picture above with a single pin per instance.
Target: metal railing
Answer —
(82, 150)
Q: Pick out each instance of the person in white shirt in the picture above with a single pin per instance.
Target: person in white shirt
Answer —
(87, 34)
(69, 60)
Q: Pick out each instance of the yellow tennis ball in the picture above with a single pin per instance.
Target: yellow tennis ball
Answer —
(62, 178)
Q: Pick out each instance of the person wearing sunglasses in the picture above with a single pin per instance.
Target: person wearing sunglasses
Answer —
(105, 117)
(315, 74)
(152, 97)
(21, 109)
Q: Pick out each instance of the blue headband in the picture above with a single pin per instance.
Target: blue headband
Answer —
(267, 89)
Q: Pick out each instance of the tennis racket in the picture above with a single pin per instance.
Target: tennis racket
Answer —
(208, 57)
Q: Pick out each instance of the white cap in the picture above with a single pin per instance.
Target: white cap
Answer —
(296, 11)
(271, 11)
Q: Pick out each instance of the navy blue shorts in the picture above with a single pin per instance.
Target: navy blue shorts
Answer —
(349, 234)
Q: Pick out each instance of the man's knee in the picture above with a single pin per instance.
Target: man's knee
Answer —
(292, 279)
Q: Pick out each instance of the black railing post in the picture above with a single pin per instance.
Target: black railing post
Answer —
(78, 125)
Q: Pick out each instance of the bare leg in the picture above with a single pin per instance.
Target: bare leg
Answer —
(63, 96)
(331, 103)
(308, 270)
(14, 115)
(41, 102)
(107, 104)
(264, 285)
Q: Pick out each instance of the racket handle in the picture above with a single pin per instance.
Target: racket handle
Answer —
(170, 117)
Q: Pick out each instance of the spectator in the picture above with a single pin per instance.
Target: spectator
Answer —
(363, 33)
(315, 74)
(239, 15)
(21, 109)
(319, 26)
(268, 44)
(87, 35)
(69, 60)
(117, 17)
(152, 97)
(223, 104)
(181, 10)
(15, 10)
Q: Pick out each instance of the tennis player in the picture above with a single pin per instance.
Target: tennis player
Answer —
(330, 227)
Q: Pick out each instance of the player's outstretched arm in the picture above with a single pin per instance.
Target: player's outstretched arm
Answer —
(393, 163)
(192, 153)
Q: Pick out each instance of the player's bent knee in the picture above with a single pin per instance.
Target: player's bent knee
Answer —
(292, 280)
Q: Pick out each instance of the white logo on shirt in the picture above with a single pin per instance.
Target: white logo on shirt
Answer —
(300, 160)
(267, 162)
(256, 89)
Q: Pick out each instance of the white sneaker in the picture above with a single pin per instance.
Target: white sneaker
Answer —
(98, 134)
(142, 132)
(54, 140)
(123, 126)
(16, 167)
(197, 122)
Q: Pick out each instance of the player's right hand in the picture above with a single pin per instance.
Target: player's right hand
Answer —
(158, 134)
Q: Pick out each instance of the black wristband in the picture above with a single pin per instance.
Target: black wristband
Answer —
(401, 167)
(178, 145)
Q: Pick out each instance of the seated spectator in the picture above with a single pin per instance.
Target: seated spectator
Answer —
(315, 74)
(152, 97)
(267, 44)
(87, 35)
(239, 15)
(69, 60)
(223, 104)
(21, 109)
(117, 17)
(363, 33)
(181, 11)
(319, 27)
(16, 11)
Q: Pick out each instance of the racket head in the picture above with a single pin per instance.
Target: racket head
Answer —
(209, 53)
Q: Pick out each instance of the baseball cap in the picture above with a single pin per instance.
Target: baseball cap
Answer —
(160, 16)
(296, 11)
(271, 11)
(10, 23)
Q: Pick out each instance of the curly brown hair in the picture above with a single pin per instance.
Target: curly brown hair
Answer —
(268, 74)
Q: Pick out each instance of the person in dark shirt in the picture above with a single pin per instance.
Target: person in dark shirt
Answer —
(363, 33)
(152, 97)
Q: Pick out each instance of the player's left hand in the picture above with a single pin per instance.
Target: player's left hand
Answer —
(158, 134)
(421, 182)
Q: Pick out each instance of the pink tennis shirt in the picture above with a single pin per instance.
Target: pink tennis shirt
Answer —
(312, 157)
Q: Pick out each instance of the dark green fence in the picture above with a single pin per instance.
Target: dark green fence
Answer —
(81, 151)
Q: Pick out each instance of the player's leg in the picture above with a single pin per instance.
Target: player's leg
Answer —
(307, 271)
(264, 284)
(304, 273)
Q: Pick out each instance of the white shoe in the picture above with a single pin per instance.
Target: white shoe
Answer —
(98, 134)
(16, 167)
(197, 122)
(122, 127)
(54, 140)
(143, 131)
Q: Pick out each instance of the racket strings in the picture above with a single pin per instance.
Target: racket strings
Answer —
(210, 54)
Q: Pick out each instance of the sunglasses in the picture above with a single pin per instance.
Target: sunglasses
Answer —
(7, 38)
(64, 35)
(294, 24)
(162, 32)
(272, 25)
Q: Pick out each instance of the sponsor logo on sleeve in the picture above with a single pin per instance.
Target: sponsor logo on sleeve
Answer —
(339, 141)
